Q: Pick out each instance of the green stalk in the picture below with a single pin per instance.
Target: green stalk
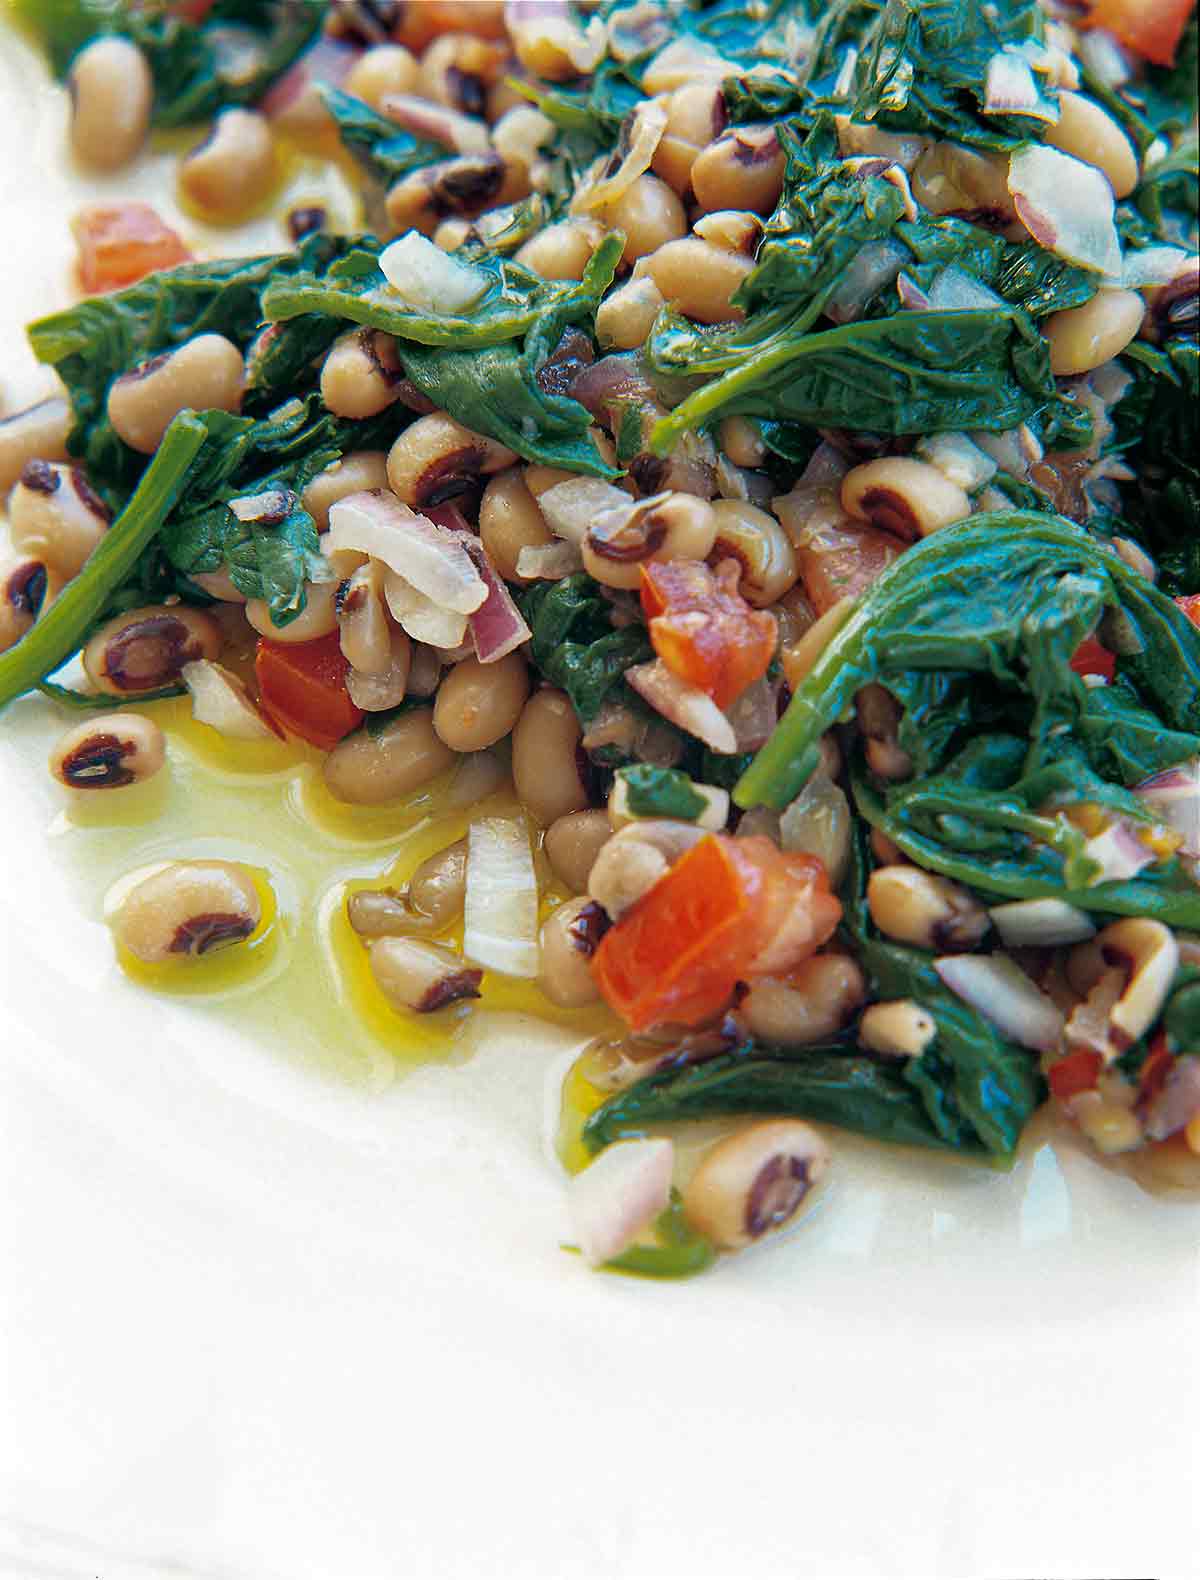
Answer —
(61, 630)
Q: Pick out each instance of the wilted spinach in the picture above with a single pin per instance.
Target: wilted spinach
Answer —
(575, 646)
(385, 150)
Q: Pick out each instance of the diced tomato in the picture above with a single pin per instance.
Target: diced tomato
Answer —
(1077, 1072)
(303, 686)
(1191, 607)
(679, 953)
(121, 243)
(1092, 659)
(1152, 28)
(191, 10)
(842, 561)
(704, 630)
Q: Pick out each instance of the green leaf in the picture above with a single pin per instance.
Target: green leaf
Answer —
(384, 150)
(574, 644)
(660, 792)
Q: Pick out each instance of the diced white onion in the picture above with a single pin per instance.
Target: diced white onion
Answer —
(570, 508)
(1120, 852)
(220, 699)
(650, 121)
(1010, 89)
(1174, 797)
(687, 706)
(549, 561)
(956, 291)
(818, 821)
(1153, 266)
(420, 617)
(620, 1194)
(1002, 993)
(428, 556)
(1066, 206)
(501, 930)
(428, 279)
(958, 458)
(1025, 924)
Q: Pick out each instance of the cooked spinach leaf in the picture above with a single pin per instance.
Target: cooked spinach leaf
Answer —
(1156, 422)
(574, 644)
(384, 150)
(660, 792)
(973, 631)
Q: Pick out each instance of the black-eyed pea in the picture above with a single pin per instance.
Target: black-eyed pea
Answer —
(557, 48)
(1087, 132)
(458, 69)
(416, 975)
(203, 374)
(355, 473)
(438, 888)
(109, 751)
(25, 586)
(736, 230)
(742, 441)
(436, 458)
(361, 374)
(112, 91)
(761, 547)
(906, 497)
(626, 316)
(547, 762)
(56, 516)
(187, 909)
(509, 521)
(572, 844)
(1083, 338)
(698, 278)
(521, 133)
(569, 937)
(897, 1029)
(916, 907)
(743, 168)
(233, 170)
(949, 178)
(561, 252)
(695, 116)
(465, 186)
(406, 754)
(879, 722)
(478, 704)
(364, 630)
(379, 72)
(671, 526)
(39, 433)
(650, 213)
(145, 649)
(755, 1181)
(814, 1002)
(318, 618)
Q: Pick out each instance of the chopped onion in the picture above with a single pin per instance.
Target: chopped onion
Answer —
(420, 617)
(429, 557)
(1174, 796)
(501, 930)
(958, 458)
(754, 715)
(268, 509)
(1002, 993)
(649, 123)
(1067, 206)
(818, 821)
(619, 1195)
(1178, 1103)
(437, 123)
(548, 561)
(1120, 852)
(497, 626)
(570, 508)
(872, 267)
(687, 706)
(1104, 57)
(912, 298)
(683, 61)
(1034, 924)
(618, 379)
(292, 95)
(428, 279)
(221, 700)
(826, 464)
(1153, 266)
(956, 291)
(1010, 89)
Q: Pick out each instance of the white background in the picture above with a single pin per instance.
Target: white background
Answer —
(255, 1324)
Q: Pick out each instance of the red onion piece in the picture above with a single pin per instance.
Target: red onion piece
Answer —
(619, 1195)
(1002, 993)
(428, 556)
(328, 60)
(1067, 206)
(1120, 851)
(1178, 1103)
(497, 626)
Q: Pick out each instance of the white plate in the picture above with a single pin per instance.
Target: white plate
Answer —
(259, 1322)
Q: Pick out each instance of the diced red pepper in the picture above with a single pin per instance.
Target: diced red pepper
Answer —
(1152, 28)
(842, 561)
(121, 243)
(704, 630)
(1155, 1069)
(1092, 659)
(679, 953)
(303, 686)
(1077, 1072)
(1191, 607)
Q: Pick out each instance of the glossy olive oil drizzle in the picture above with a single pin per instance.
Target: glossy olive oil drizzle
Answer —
(303, 979)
